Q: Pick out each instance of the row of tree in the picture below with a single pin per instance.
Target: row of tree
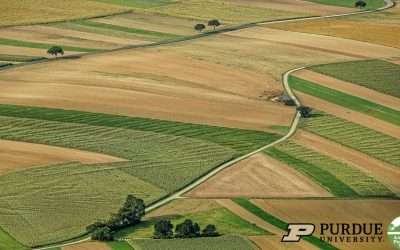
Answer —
(213, 22)
(129, 214)
(163, 229)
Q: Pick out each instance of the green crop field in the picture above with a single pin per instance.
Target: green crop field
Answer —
(119, 245)
(8, 242)
(160, 157)
(345, 100)
(365, 140)
(216, 243)
(140, 32)
(19, 58)
(19, 43)
(340, 179)
(226, 222)
(378, 75)
(246, 204)
(371, 4)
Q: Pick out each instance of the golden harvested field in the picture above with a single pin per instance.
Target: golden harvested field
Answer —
(149, 21)
(379, 28)
(23, 51)
(294, 5)
(40, 11)
(318, 42)
(21, 155)
(383, 172)
(129, 82)
(259, 176)
(349, 88)
(336, 211)
(88, 246)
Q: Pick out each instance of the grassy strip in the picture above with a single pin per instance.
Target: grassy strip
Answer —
(226, 222)
(340, 178)
(5, 64)
(378, 75)
(371, 4)
(8, 242)
(321, 176)
(19, 43)
(345, 100)
(119, 245)
(159, 35)
(140, 4)
(278, 222)
(241, 140)
(352, 135)
(210, 243)
(19, 58)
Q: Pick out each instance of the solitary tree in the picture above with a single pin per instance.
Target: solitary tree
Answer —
(305, 111)
(187, 229)
(210, 231)
(102, 234)
(163, 230)
(360, 4)
(214, 22)
(199, 27)
(55, 50)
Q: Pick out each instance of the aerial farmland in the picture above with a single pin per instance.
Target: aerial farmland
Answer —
(199, 124)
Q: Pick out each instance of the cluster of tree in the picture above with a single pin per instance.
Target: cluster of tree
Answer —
(128, 215)
(305, 111)
(214, 23)
(163, 229)
(55, 50)
(360, 4)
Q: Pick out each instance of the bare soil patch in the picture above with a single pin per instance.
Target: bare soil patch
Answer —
(131, 83)
(88, 246)
(336, 211)
(350, 115)
(21, 155)
(319, 42)
(259, 176)
(349, 88)
(383, 172)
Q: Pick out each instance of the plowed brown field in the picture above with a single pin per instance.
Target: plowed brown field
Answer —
(88, 246)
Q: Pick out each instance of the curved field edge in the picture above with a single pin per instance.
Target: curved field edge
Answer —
(162, 157)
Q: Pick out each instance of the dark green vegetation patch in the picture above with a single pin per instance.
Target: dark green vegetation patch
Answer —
(345, 100)
(378, 75)
(279, 223)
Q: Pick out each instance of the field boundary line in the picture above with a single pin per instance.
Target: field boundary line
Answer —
(288, 90)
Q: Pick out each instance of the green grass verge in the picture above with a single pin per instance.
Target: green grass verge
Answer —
(378, 75)
(226, 222)
(345, 100)
(19, 58)
(352, 135)
(215, 243)
(19, 43)
(8, 242)
(340, 179)
(5, 64)
(119, 245)
(140, 4)
(371, 4)
(146, 33)
(278, 222)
